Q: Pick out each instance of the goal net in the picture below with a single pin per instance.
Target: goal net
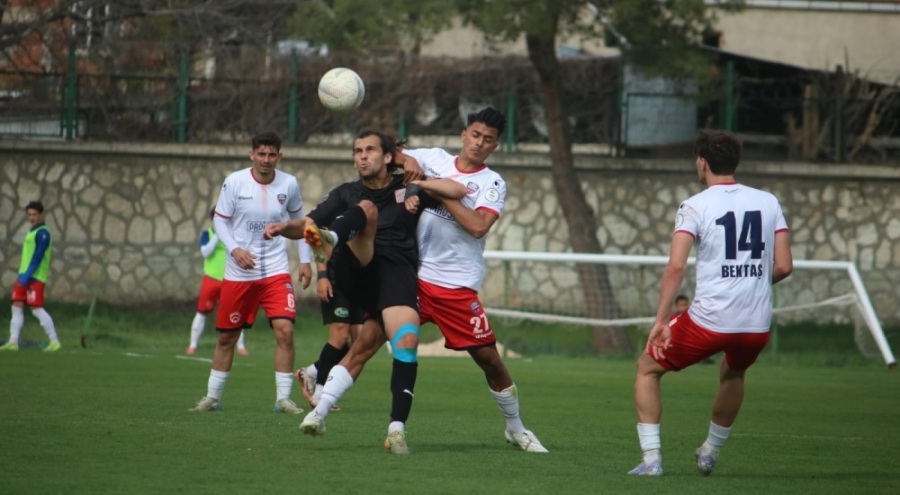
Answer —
(549, 287)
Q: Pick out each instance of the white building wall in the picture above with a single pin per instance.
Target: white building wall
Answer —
(816, 39)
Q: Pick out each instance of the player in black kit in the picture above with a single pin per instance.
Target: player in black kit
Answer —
(371, 230)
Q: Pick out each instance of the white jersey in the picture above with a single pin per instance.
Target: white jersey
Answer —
(734, 230)
(449, 256)
(249, 206)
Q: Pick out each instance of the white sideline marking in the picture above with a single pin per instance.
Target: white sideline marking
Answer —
(134, 354)
(192, 358)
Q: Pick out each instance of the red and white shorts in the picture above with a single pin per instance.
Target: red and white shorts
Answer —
(32, 294)
(209, 294)
(458, 313)
(239, 301)
(692, 343)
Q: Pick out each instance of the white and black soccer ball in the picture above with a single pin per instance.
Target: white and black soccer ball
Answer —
(341, 90)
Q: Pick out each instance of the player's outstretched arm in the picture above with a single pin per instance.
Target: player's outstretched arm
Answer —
(442, 188)
(292, 229)
(476, 222)
(783, 263)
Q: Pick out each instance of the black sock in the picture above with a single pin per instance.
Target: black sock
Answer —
(328, 358)
(349, 223)
(403, 381)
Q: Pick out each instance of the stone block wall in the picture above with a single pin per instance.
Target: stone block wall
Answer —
(126, 218)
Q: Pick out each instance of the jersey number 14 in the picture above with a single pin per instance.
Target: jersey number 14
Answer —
(751, 238)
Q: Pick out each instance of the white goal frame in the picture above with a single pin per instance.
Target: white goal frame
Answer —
(861, 296)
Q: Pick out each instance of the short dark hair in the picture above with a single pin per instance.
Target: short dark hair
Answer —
(490, 117)
(266, 139)
(681, 297)
(720, 149)
(35, 205)
(388, 145)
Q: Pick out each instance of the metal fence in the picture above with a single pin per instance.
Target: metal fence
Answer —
(808, 117)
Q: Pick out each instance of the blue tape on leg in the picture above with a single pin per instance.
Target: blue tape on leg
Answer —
(405, 355)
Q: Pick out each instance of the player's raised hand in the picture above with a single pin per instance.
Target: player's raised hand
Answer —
(412, 170)
(273, 230)
(244, 258)
(659, 340)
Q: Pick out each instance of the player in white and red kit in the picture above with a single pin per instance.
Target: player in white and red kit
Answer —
(743, 248)
(256, 269)
(451, 250)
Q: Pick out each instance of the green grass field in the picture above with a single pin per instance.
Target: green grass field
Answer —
(112, 418)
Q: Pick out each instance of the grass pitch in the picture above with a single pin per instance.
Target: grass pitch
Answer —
(113, 418)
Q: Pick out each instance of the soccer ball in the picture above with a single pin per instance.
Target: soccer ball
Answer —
(341, 89)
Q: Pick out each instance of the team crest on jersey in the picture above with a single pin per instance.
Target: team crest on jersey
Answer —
(341, 312)
(282, 198)
(475, 307)
(471, 187)
(492, 194)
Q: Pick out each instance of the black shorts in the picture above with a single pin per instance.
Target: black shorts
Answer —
(397, 282)
(341, 309)
(385, 282)
(345, 306)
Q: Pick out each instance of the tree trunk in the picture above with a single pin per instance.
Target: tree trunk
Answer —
(599, 299)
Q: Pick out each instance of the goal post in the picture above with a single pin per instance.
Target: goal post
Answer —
(544, 287)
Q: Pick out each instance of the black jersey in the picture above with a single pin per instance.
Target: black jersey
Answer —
(396, 234)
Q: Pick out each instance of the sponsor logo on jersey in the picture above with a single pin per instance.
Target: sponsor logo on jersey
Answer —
(471, 187)
(492, 194)
(282, 198)
(742, 271)
(244, 198)
(341, 312)
(440, 211)
(256, 226)
(234, 318)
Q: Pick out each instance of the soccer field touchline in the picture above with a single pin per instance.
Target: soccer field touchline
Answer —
(192, 358)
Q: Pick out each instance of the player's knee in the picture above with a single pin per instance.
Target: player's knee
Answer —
(338, 334)
(405, 343)
(229, 338)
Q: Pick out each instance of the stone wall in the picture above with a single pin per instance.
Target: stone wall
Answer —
(126, 218)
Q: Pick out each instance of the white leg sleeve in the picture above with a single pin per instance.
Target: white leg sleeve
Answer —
(46, 323)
